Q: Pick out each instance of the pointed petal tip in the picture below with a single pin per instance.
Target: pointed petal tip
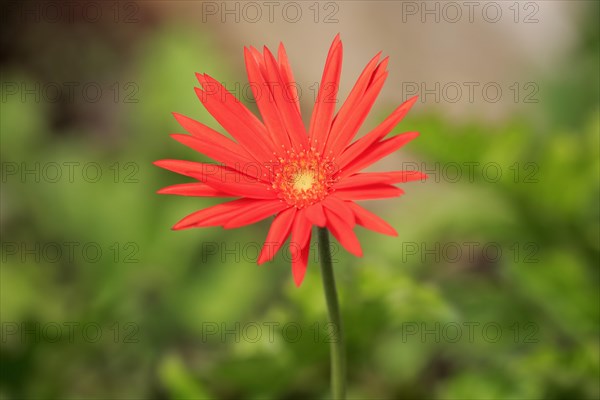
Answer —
(377, 56)
(336, 45)
(390, 232)
(181, 225)
(202, 79)
(200, 93)
(299, 263)
(265, 255)
(178, 226)
(249, 50)
(355, 252)
(299, 276)
(408, 104)
(166, 163)
(358, 252)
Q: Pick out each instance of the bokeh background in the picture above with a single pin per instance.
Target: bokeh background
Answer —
(489, 292)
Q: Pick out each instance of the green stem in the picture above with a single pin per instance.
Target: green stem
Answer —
(338, 356)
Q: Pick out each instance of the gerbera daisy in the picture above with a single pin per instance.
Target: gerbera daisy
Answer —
(276, 166)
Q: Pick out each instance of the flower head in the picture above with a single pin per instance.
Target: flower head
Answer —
(278, 167)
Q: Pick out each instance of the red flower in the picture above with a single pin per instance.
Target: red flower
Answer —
(277, 167)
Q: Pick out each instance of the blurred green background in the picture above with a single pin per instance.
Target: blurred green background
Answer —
(489, 292)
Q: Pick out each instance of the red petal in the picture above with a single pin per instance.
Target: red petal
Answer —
(221, 178)
(208, 135)
(356, 93)
(187, 168)
(299, 263)
(376, 152)
(343, 233)
(240, 185)
(362, 144)
(288, 77)
(316, 215)
(193, 189)
(288, 112)
(405, 176)
(300, 245)
(257, 213)
(301, 230)
(322, 116)
(278, 233)
(218, 153)
(371, 178)
(232, 115)
(217, 215)
(345, 128)
(371, 221)
(259, 60)
(369, 192)
(249, 118)
(265, 102)
(340, 208)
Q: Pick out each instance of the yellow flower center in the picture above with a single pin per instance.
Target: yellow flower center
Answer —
(303, 178)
